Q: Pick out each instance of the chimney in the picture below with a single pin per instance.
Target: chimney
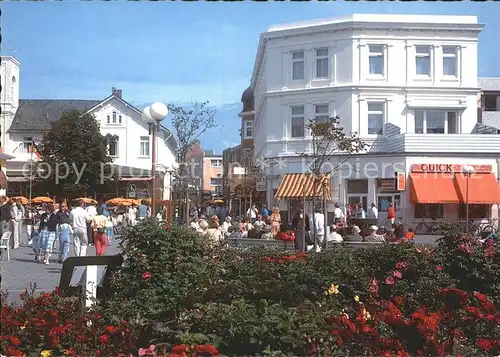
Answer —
(116, 92)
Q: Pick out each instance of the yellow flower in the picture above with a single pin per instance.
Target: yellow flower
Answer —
(46, 353)
(332, 290)
(356, 298)
(366, 314)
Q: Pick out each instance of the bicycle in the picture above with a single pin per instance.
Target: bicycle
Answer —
(491, 226)
(474, 229)
(426, 227)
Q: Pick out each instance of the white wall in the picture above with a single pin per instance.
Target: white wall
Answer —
(350, 87)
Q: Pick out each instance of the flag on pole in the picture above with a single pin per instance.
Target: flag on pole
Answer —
(35, 150)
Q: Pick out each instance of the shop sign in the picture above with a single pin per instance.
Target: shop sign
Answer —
(131, 191)
(448, 168)
(400, 181)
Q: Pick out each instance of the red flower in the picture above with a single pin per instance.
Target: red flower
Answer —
(389, 280)
(179, 349)
(104, 339)
(111, 329)
(398, 300)
(374, 286)
(70, 352)
(465, 248)
(397, 274)
(14, 340)
(484, 344)
(207, 349)
(146, 275)
(439, 267)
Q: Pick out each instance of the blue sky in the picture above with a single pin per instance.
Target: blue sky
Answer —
(177, 51)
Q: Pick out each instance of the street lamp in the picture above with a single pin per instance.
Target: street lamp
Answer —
(153, 115)
(467, 170)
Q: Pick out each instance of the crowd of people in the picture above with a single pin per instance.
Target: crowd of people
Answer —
(266, 224)
(55, 226)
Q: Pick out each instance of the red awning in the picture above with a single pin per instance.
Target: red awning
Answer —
(432, 189)
(483, 189)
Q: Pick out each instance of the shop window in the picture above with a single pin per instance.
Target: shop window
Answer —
(429, 210)
(383, 202)
(357, 186)
(475, 211)
(354, 199)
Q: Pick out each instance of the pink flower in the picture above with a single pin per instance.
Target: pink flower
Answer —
(401, 265)
(146, 275)
(398, 274)
(150, 351)
(464, 248)
(439, 267)
(374, 286)
(389, 280)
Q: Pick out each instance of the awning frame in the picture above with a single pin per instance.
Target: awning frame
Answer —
(294, 186)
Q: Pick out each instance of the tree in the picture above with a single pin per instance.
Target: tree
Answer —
(189, 125)
(329, 142)
(74, 156)
(252, 176)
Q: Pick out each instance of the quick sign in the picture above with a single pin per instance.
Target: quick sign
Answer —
(448, 168)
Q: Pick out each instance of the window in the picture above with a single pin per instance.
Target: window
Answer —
(475, 211)
(298, 65)
(490, 103)
(298, 122)
(27, 144)
(429, 210)
(119, 119)
(450, 61)
(248, 129)
(113, 146)
(321, 113)
(423, 60)
(144, 146)
(375, 118)
(376, 59)
(436, 122)
(215, 163)
(108, 119)
(114, 117)
(384, 201)
(357, 193)
(215, 181)
(322, 63)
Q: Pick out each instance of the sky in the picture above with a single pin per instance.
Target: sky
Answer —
(178, 51)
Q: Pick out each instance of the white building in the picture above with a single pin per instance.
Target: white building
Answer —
(406, 83)
(129, 137)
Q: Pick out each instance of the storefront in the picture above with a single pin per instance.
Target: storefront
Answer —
(419, 188)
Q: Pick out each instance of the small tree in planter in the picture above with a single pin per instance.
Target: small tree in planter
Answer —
(330, 144)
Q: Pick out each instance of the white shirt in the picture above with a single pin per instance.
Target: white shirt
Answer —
(335, 237)
(91, 211)
(338, 213)
(251, 212)
(319, 222)
(374, 212)
(132, 212)
(78, 218)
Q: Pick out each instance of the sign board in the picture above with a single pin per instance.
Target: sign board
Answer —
(131, 191)
(238, 170)
(400, 181)
(387, 185)
(448, 168)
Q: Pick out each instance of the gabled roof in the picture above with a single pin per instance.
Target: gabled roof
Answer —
(38, 114)
(112, 96)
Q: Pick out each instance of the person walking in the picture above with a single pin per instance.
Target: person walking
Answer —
(391, 214)
(14, 214)
(78, 219)
(5, 216)
(47, 233)
(91, 212)
(275, 221)
(302, 238)
(28, 221)
(20, 218)
(252, 213)
(100, 225)
(319, 224)
(373, 211)
(65, 233)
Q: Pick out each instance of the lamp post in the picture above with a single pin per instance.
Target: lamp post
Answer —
(467, 170)
(153, 115)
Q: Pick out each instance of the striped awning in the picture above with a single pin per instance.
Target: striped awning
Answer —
(296, 186)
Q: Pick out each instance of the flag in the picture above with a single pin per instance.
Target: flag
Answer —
(35, 150)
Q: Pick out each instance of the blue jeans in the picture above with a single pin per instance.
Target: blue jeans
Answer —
(64, 241)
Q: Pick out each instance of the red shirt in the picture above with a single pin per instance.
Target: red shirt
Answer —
(391, 213)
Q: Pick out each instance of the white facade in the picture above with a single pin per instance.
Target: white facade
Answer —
(129, 143)
(406, 83)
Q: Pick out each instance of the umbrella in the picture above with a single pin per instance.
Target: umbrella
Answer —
(24, 200)
(42, 199)
(218, 201)
(115, 201)
(87, 200)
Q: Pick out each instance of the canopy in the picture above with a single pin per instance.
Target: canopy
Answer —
(483, 189)
(42, 199)
(296, 186)
(429, 188)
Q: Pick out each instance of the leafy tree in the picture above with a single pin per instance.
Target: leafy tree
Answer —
(190, 123)
(72, 155)
(331, 147)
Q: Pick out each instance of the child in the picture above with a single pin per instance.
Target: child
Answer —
(109, 229)
(410, 234)
(65, 232)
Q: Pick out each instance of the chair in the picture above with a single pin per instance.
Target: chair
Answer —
(5, 243)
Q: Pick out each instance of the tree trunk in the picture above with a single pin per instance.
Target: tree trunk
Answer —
(187, 207)
(315, 185)
(325, 211)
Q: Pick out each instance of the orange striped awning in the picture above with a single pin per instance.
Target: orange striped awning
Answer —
(483, 189)
(296, 186)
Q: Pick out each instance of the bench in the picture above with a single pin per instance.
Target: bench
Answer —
(353, 245)
(252, 242)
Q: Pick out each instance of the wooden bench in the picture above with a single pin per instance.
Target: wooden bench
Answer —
(353, 245)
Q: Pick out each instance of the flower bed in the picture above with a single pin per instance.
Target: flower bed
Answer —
(177, 296)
